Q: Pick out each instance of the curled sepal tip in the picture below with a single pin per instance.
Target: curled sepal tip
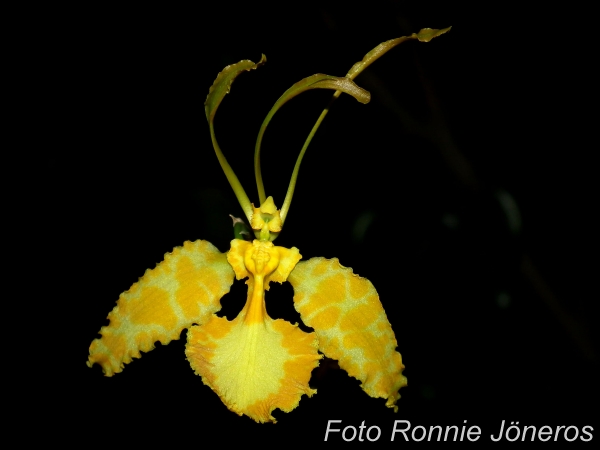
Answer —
(425, 35)
(322, 81)
(317, 81)
(222, 84)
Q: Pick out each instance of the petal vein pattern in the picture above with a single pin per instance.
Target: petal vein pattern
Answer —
(352, 327)
(185, 288)
(254, 368)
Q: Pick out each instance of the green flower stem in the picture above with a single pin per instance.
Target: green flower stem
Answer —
(231, 177)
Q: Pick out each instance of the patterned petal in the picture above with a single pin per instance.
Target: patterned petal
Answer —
(288, 258)
(235, 257)
(183, 289)
(254, 366)
(345, 311)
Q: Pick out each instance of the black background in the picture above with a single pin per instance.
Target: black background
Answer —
(463, 191)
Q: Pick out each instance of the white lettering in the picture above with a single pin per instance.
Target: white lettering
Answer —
(557, 430)
(353, 433)
(448, 429)
(544, 431)
(574, 437)
(588, 433)
(496, 439)
(431, 431)
(508, 431)
(525, 429)
(477, 433)
(462, 433)
(369, 433)
(362, 427)
(395, 430)
(422, 435)
(331, 429)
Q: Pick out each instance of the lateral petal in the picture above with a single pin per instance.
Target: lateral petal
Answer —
(183, 289)
(254, 367)
(288, 258)
(348, 318)
(235, 257)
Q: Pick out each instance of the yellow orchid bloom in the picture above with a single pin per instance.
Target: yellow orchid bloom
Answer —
(254, 363)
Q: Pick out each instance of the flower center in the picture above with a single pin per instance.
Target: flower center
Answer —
(261, 259)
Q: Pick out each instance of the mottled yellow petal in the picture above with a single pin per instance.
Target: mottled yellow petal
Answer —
(254, 363)
(349, 320)
(185, 288)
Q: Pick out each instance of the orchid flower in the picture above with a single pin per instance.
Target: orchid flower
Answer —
(254, 363)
